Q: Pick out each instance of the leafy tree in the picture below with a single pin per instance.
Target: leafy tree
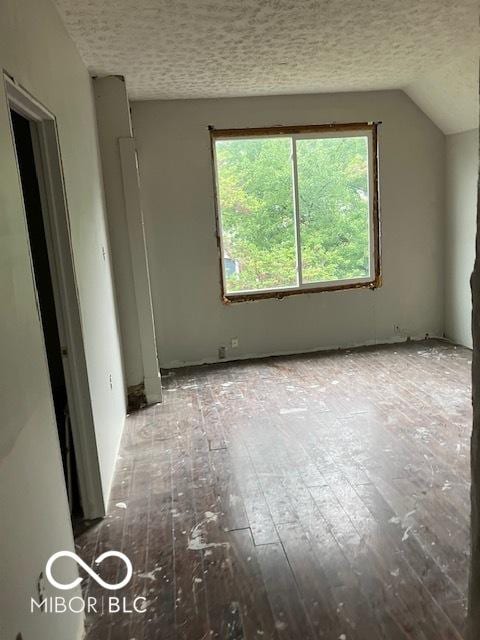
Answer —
(257, 210)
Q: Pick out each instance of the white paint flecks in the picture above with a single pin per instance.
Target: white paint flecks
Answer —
(121, 505)
(196, 539)
(406, 534)
(150, 575)
(293, 410)
(408, 515)
(144, 605)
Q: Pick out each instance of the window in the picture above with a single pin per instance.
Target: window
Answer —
(297, 209)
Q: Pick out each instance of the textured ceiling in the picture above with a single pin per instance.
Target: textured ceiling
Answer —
(216, 48)
(449, 94)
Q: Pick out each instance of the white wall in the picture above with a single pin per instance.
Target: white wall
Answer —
(177, 190)
(126, 232)
(460, 230)
(113, 117)
(34, 520)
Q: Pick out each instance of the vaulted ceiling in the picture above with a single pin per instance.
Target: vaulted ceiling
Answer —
(216, 48)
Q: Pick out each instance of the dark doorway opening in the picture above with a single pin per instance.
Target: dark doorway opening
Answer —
(22, 129)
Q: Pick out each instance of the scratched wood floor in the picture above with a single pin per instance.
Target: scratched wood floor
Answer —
(315, 496)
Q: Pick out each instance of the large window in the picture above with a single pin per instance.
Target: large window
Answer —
(297, 209)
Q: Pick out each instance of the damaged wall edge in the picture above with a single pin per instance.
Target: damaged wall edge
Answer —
(140, 270)
(136, 398)
(473, 623)
(129, 258)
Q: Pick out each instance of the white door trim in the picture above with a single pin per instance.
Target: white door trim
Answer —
(57, 230)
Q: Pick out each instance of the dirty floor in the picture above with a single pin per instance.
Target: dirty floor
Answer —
(315, 496)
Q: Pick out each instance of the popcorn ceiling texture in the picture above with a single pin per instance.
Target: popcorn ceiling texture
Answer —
(216, 48)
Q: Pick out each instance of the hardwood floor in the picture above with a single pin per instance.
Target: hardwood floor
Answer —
(316, 496)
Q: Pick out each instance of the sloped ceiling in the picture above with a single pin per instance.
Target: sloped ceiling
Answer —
(449, 94)
(216, 48)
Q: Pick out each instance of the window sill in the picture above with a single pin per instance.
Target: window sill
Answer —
(279, 294)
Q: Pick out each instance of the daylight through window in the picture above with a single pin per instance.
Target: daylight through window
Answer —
(297, 209)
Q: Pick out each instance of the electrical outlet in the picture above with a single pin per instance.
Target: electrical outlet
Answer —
(234, 343)
(110, 380)
(222, 353)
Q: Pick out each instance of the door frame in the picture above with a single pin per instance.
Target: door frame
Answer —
(48, 163)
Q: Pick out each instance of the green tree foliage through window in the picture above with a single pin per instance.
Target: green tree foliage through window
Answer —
(257, 210)
(333, 206)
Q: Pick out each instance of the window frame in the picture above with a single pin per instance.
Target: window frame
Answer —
(362, 129)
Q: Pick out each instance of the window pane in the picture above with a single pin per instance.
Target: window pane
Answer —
(334, 208)
(256, 209)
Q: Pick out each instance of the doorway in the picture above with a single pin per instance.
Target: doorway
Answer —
(55, 350)
(35, 139)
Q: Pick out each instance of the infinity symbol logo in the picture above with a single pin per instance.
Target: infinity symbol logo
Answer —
(92, 574)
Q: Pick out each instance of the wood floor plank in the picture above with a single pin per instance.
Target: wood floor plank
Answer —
(289, 610)
(320, 496)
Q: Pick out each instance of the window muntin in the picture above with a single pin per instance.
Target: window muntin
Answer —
(297, 209)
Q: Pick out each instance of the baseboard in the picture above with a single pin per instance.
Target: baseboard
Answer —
(457, 343)
(176, 364)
